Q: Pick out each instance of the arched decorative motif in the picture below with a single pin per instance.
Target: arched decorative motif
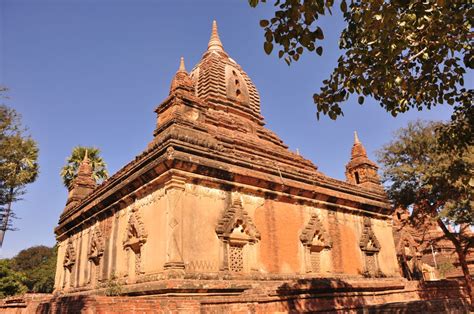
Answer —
(370, 247)
(235, 229)
(315, 239)
(314, 233)
(368, 242)
(233, 217)
(135, 234)
(135, 237)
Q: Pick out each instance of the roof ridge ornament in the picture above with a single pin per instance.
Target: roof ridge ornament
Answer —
(215, 42)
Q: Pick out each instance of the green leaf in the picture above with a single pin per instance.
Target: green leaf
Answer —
(343, 6)
(268, 35)
(360, 100)
(264, 23)
(319, 50)
(268, 47)
(253, 3)
(319, 33)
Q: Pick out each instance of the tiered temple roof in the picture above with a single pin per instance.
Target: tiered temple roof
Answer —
(210, 126)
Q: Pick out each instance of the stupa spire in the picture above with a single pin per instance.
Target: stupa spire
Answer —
(181, 79)
(182, 68)
(215, 42)
(84, 173)
(356, 138)
(82, 185)
(358, 150)
(361, 170)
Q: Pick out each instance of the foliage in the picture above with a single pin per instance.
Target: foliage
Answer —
(32, 257)
(18, 162)
(38, 263)
(32, 270)
(424, 173)
(444, 268)
(405, 54)
(99, 170)
(420, 172)
(112, 286)
(11, 282)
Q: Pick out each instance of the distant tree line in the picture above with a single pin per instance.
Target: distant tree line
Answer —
(32, 270)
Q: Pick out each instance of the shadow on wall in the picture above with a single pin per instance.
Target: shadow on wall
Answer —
(59, 305)
(336, 295)
(319, 294)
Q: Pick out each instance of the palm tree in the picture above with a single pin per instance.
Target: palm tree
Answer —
(99, 168)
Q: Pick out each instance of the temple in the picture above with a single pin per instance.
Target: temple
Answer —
(217, 202)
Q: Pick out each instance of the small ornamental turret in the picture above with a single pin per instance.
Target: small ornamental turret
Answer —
(82, 185)
(361, 170)
(181, 79)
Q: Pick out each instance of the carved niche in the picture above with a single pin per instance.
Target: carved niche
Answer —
(96, 246)
(235, 229)
(315, 240)
(68, 264)
(135, 237)
(95, 253)
(69, 256)
(370, 248)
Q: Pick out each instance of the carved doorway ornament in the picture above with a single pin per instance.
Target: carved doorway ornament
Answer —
(315, 240)
(68, 264)
(370, 248)
(94, 255)
(135, 238)
(236, 229)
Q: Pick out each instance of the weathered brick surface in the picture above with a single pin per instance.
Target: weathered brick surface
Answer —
(379, 296)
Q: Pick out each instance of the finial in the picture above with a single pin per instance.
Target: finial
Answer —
(182, 68)
(214, 42)
(356, 138)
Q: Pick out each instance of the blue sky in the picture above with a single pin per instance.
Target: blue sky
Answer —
(91, 73)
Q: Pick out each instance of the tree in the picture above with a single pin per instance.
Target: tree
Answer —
(99, 168)
(18, 164)
(11, 282)
(422, 173)
(405, 54)
(38, 263)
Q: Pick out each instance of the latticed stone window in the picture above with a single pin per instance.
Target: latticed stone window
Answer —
(236, 258)
(315, 261)
(370, 263)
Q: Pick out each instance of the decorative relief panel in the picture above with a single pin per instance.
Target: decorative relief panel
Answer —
(235, 229)
(96, 246)
(135, 234)
(315, 239)
(368, 242)
(370, 247)
(135, 237)
(68, 264)
(233, 217)
(69, 256)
